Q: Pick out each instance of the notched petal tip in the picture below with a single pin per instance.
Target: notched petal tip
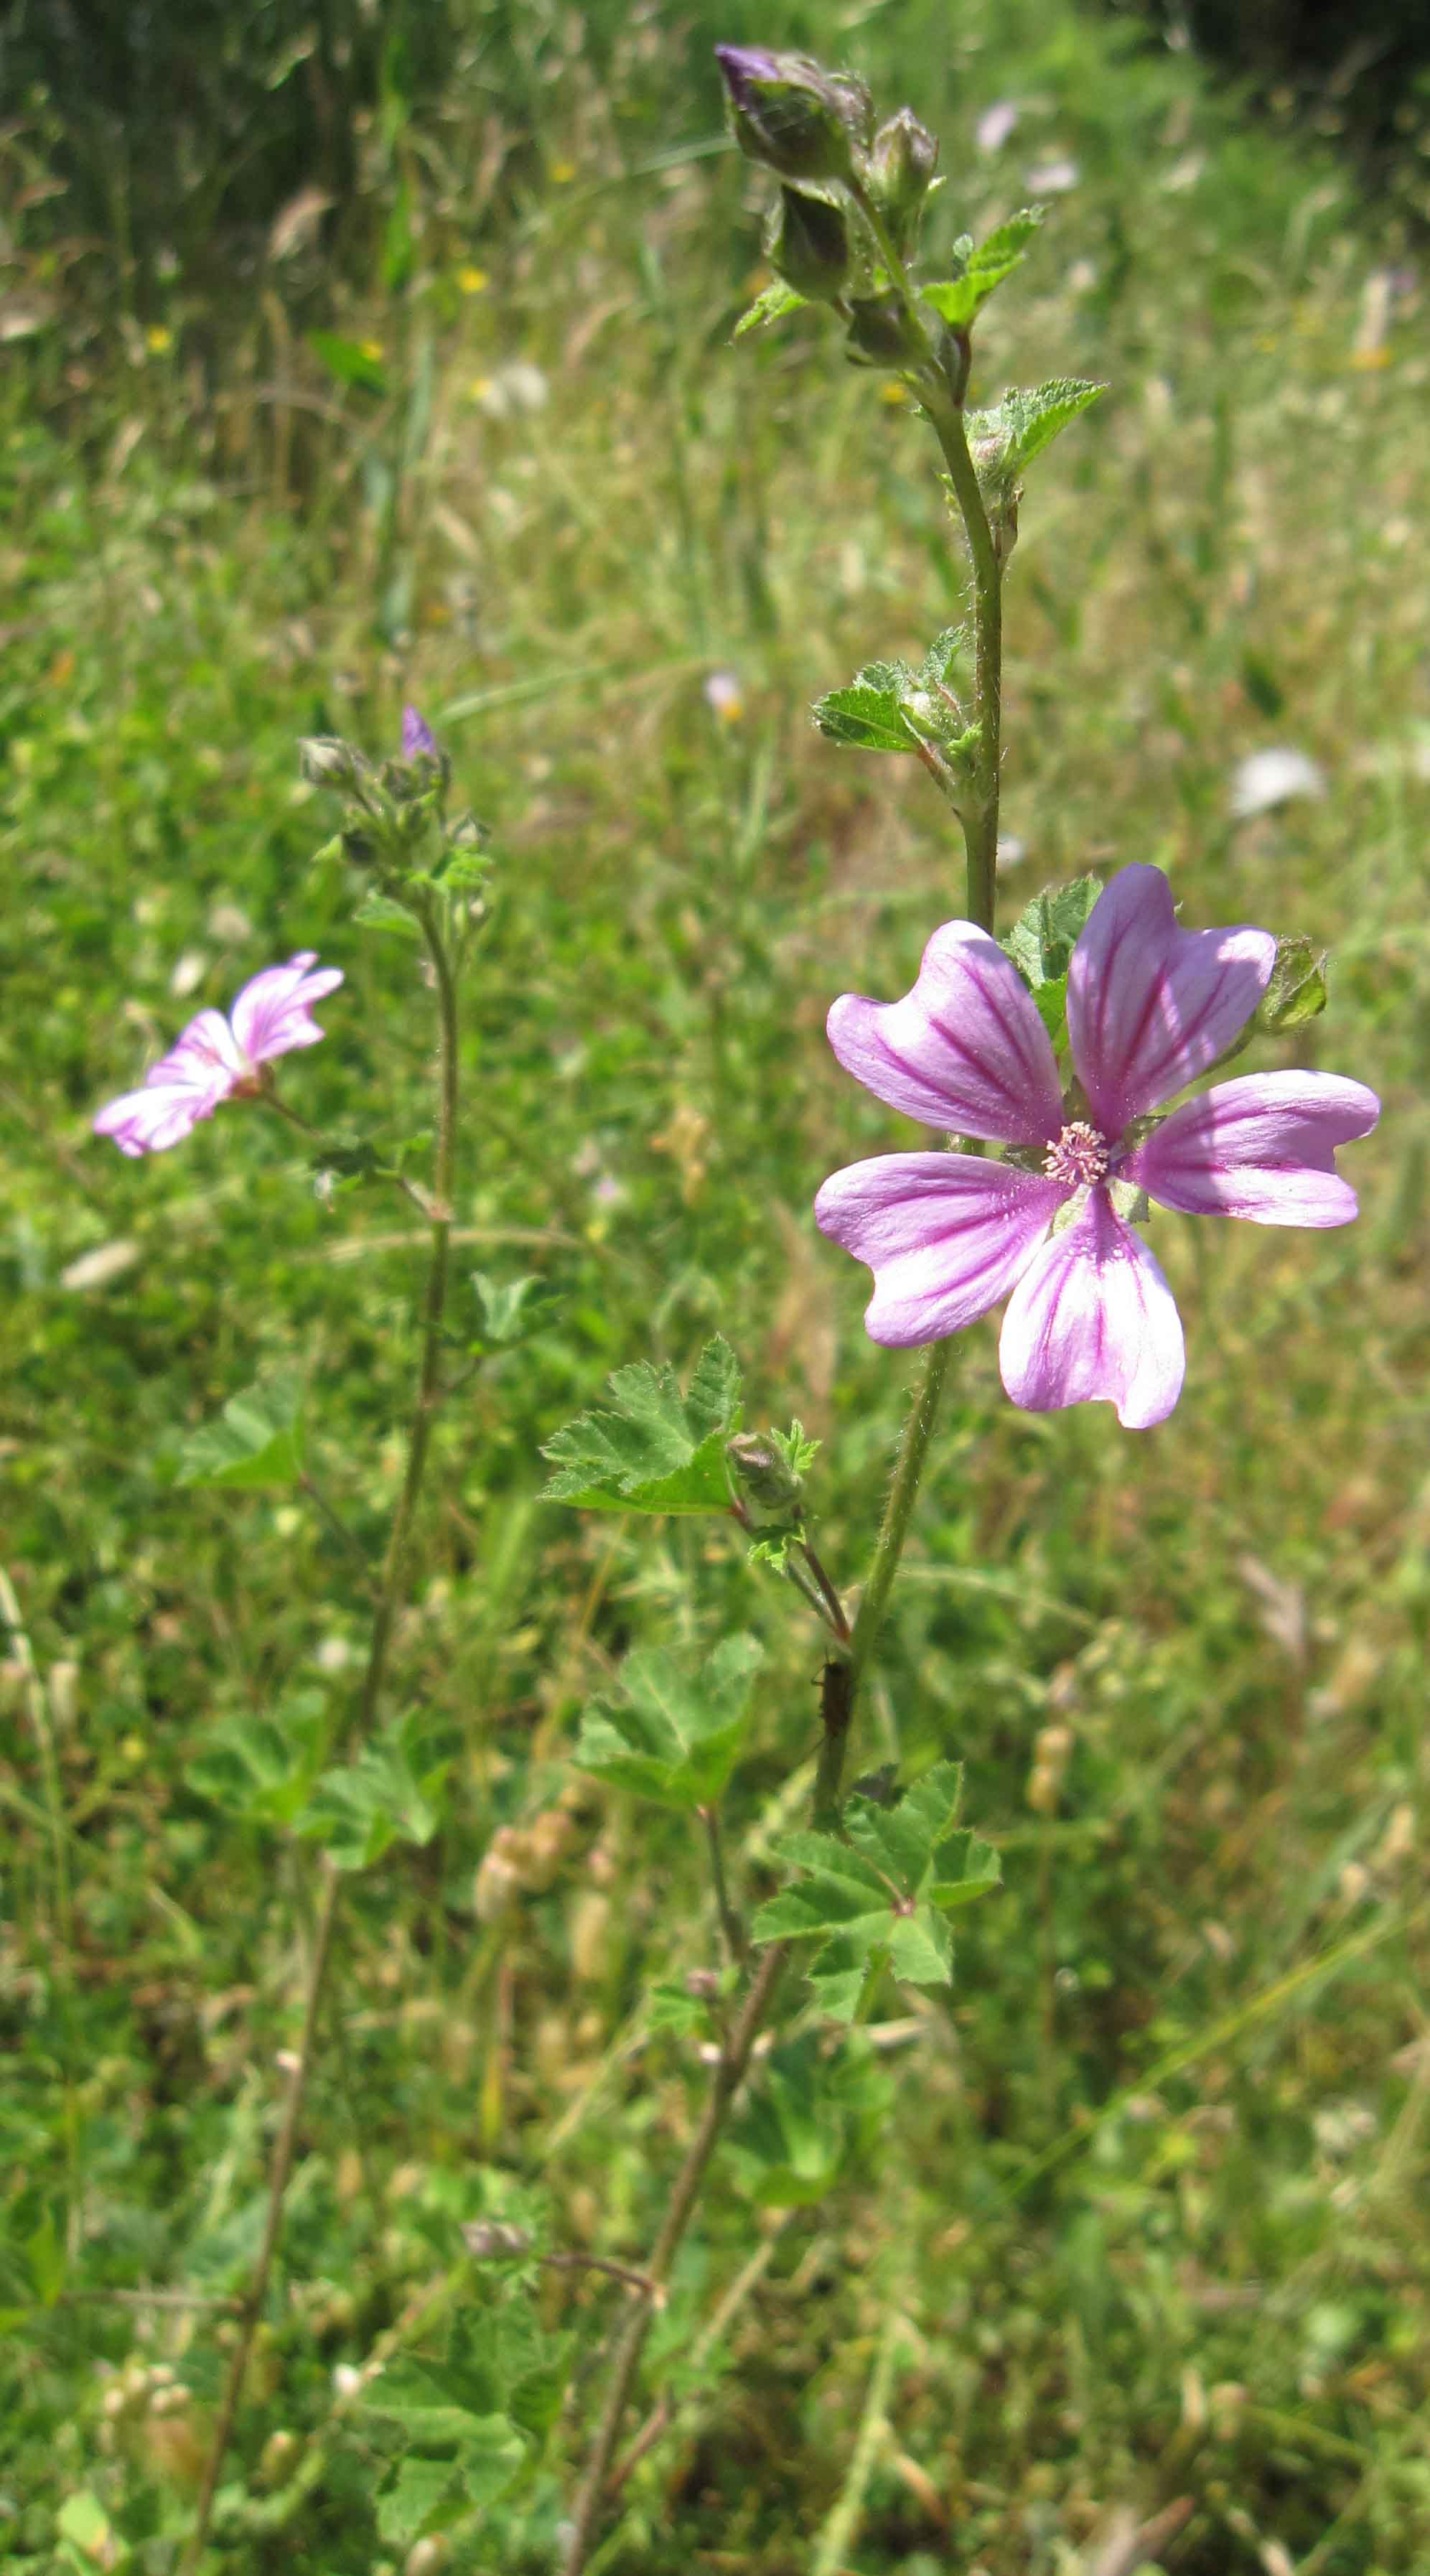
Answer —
(1092, 1320)
(1151, 1006)
(946, 1236)
(965, 1049)
(1262, 1148)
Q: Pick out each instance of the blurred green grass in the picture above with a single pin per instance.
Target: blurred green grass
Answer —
(1150, 2152)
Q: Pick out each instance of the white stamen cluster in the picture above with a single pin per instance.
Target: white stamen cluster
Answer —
(1079, 1156)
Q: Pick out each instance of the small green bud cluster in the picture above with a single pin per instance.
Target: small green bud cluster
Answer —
(396, 827)
(816, 131)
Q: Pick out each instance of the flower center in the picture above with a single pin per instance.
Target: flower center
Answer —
(1080, 1155)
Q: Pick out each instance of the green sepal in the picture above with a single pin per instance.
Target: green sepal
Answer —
(977, 272)
(654, 1450)
(771, 305)
(256, 1441)
(674, 1735)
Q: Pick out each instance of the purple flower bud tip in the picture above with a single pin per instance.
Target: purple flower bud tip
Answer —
(416, 736)
(220, 1059)
(742, 66)
(1149, 1007)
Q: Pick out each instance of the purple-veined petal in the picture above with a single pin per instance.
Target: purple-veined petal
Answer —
(206, 1055)
(1092, 1317)
(946, 1235)
(161, 1115)
(1151, 1006)
(270, 1016)
(965, 1050)
(1262, 1147)
(416, 735)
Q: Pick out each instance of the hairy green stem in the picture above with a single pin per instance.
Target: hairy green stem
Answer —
(390, 1589)
(736, 1944)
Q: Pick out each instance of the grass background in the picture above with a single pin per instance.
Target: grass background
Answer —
(1145, 2217)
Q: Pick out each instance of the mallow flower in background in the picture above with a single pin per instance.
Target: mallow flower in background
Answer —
(219, 1059)
(1149, 1007)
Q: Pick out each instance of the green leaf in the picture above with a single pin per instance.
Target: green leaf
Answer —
(864, 719)
(491, 2454)
(379, 912)
(879, 1898)
(257, 1439)
(1047, 930)
(1006, 438)
(262, 1769)
(770, 306)
(807, 2110)
(1297, 990)
(656, 1450)
(406, 2507)
(348, 361)
(674, 1736)
(959, 298)
(83, 2522)
(359, 1808)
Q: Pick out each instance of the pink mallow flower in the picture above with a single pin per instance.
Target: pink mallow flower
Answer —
(220, 1059)
(1149, 1007)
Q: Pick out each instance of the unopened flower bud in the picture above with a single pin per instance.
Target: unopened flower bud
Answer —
(487, 2238)
(327, 761)
(792, 117)
(765, 1481)
(808, 246)
(880, 330)
(901, 164)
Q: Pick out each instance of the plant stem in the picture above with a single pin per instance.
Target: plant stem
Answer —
(729, 2075)
(730, 1923)
(384, 1613)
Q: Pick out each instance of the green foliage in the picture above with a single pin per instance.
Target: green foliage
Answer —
(770, 305)
(262, 1769)
(257, 1441)
(349, 362)
(674, 1735)
(976, 272)
(891, 707)
(512, 1309)
(1006, 436)
(1297, 990)
(655, 1450)
(389, 1792)
(815, 2109)
(878, 1900)
(1041, 943)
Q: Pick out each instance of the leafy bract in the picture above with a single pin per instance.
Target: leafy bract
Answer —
(675, 1734)
(654, 1450)
(256, 1441)
(1006, 437)
(878, 1900)
(1297, 990)
(769, 306)
(891, 707)
(977, 271)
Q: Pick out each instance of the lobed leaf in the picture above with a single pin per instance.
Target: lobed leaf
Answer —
(959, 298)
(1006, 438)
(256, 1441)
(653, 1450)
(675, 1735)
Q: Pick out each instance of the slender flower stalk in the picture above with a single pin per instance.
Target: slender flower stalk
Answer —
(390, 1591)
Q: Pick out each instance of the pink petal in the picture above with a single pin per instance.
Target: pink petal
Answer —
(161, 1115)
(1092, 1318)
(965, 1050)
(207, 1056)
(1262, 1147)
(270, 1016)
(1151, 1006)
(946, 1235)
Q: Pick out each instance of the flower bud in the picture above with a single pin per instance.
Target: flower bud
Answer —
(881, 331)
(901, 164)
(325, 760)
(765, 1482)
(488, 2239)
(792, 117)
(418, 741)
(807, 244)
